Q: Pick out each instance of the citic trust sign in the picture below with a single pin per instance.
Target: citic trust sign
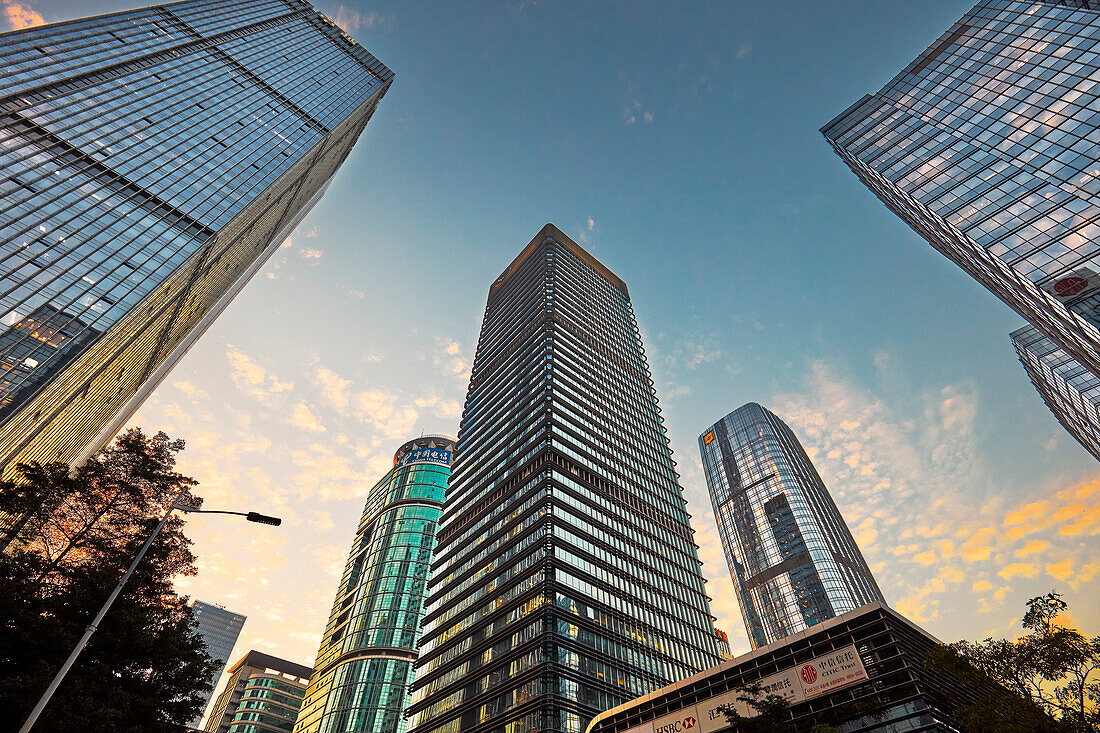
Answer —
(677, 725)
(809, 674)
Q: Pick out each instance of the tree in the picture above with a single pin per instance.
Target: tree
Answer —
(769, 714)
(1052, 673)
(144, 669)
(30, 501)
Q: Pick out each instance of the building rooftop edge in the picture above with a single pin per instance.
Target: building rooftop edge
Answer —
(733, 412)
(259, 659)
(412, 442)
(218, 606)
(1027, 328)
(552, 232)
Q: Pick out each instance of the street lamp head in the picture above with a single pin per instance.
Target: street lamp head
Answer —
(263, 519)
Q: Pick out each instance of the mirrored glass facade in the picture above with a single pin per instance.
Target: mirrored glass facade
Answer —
(793, 561)
(567, 579)
(219, 629)
(150, 162)
(1070, 391)
(365, 662)
(988, 145)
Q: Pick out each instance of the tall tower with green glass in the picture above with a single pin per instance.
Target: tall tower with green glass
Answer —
(365, 664)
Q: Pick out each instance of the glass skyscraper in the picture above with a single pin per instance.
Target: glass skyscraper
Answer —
(219, 629)
(988, 145)
(150, 162)
(365, 662)
(567, 579)
(1070, 391)
(793, 561)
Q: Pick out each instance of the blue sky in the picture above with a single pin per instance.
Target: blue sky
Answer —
(678, 142)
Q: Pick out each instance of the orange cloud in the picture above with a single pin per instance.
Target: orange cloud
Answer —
(1076, 509)
(973, 554)
(1032, 547)
(1087, 521)
(18, 16)
(925, 558)
(951, 575)
(1026, 513)
(1060, 570)
(1021, 569)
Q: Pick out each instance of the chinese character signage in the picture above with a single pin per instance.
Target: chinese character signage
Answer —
(424, 455)
(797, 684)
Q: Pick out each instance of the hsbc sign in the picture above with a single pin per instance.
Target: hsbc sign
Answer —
(676, 726)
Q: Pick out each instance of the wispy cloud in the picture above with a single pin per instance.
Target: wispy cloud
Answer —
(452, 360)
(450, 409)
(304, 418)
(877, 459)
(300, 440)
(357, 294)
(335, 388)
(352, 20)
(252, 377)
(588, 227)
(20, 15)
(635, 111)
(692, 351)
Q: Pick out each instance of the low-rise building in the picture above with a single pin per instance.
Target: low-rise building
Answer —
(263, 695)
(864, 669)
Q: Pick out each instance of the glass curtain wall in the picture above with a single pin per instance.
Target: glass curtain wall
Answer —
(793, 560)
(988, 145)
(567, 578)
(150, 161)
(365, 663)
(1070, 390)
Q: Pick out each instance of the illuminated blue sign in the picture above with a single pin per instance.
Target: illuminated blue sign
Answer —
(425, 455)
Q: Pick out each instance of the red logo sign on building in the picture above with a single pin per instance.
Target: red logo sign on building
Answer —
(689, 722)
(808, 674)
(1071, 285)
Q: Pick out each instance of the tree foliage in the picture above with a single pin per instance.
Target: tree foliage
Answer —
(1052, 671)
(143, 669)
(768, 714)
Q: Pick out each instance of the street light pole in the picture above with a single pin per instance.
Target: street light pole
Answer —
(45, 699)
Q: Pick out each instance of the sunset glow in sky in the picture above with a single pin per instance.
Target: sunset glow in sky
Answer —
(679, 144)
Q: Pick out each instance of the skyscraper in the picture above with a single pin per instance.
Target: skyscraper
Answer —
(567, 578)
(1070, 391)
(152, 160)
(793, 561)
(219, 629)
(987, 146)
(365, 662)
(263, 695)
